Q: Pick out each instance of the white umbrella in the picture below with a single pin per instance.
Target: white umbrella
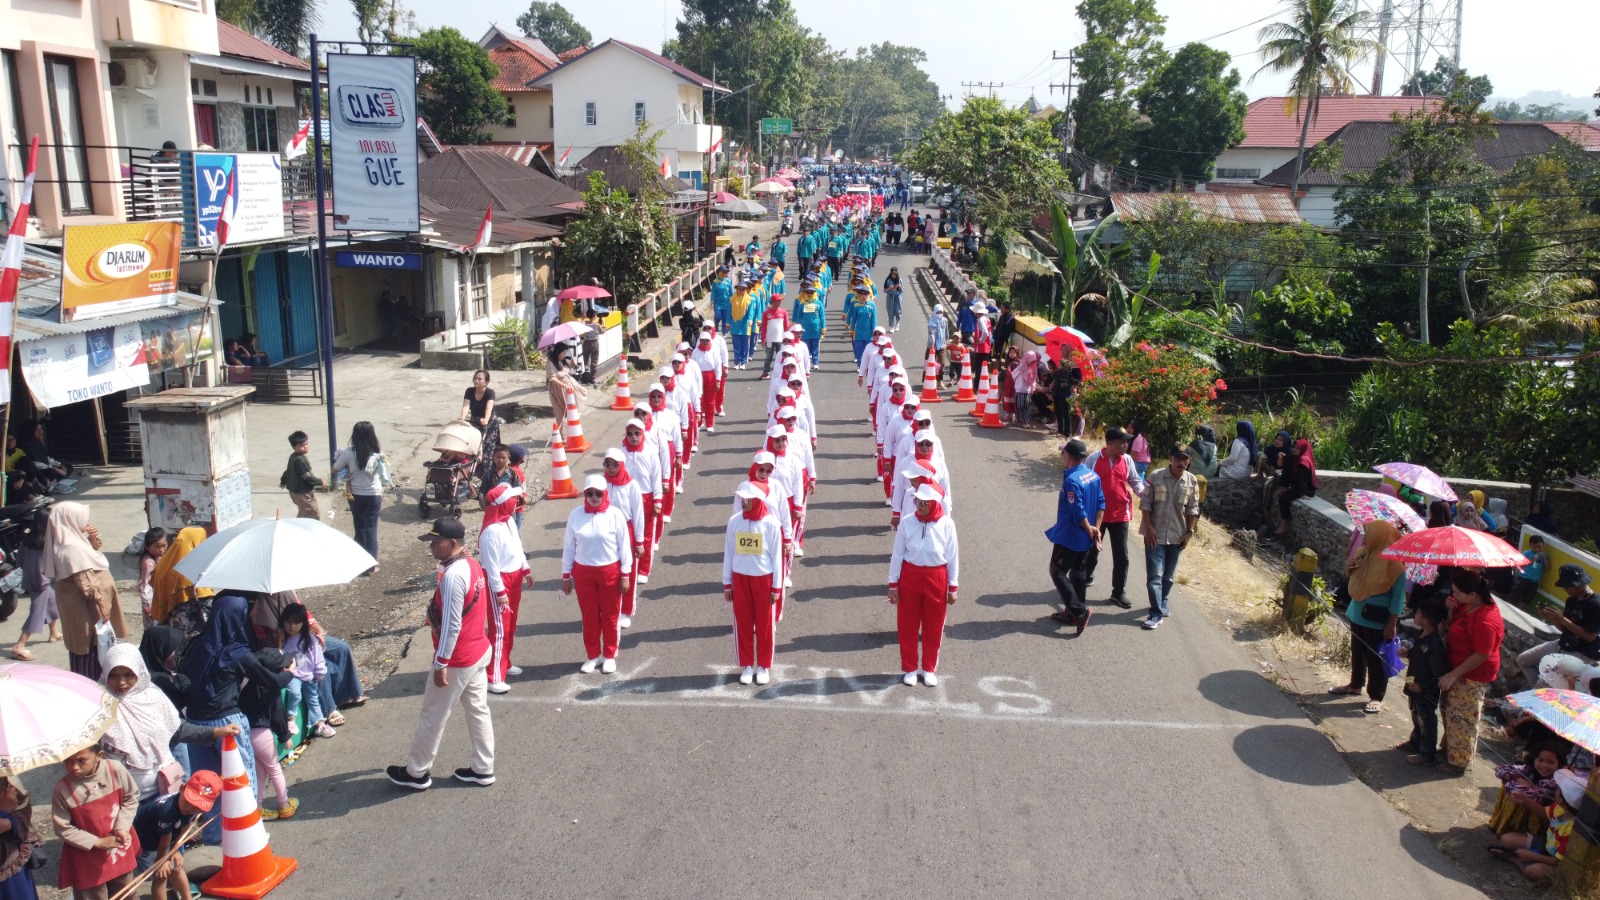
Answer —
(772, 186)
(49, 714)
(272, 555)
(741, 207)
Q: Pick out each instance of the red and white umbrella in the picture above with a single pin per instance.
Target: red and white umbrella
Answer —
(49, 714)
(1452, 545)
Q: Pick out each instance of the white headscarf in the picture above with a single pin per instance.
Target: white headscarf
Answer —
(146, 720)
(67, 550)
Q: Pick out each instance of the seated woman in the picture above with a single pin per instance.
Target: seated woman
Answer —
(248, 340)
(1525, 791)
(342, 688)
(37, 463)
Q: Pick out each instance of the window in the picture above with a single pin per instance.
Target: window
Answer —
(511, 112)
(1251, 174)
(66, 127)
(552, 115)
(639, 117)
(473, 293)
(13, 120)
(683, 113)
(205, 124)
(588, 113)
(261, 129)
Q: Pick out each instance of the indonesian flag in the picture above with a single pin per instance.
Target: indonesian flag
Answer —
(563, 160)
(11, 270)
(297, 144)
(484, 231)
(225, 216)
(715, 145)
(666, 166)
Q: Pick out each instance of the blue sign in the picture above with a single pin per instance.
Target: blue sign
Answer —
(210, 186)
(376, 259)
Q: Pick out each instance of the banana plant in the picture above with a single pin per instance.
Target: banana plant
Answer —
(1082, 265)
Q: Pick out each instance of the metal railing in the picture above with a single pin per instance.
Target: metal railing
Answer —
(643, 319)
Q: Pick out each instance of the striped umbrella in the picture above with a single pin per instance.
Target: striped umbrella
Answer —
(1452, 545)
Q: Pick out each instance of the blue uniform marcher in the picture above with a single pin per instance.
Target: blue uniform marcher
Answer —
(862, 320)
(1079, 507)
(780, 251)
(810, 315)
(722, 304)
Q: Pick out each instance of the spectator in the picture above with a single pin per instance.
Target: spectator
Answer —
(1467, 517)
(92, 810)
(1578, 621)
(1079, 506)
(1169, 508)
(1518, 848)
(85, 592)
(1298, 479)
(262, 703)
(18, 843)
(299, 480)
(218, 664)
(939, 343)
(477, 402)
(171, 588)
(1241, 461)
(1004, 327)
(147, 725)
(1525, 591)
(1473, 640)
(1426, 664)
(1378, 594)
(37, 462)
(42, 612)
(591, 346)
(1525, 790)
(966, 315)
(1204, 448)
(359, 464)
(162, 822)
(1544, 518)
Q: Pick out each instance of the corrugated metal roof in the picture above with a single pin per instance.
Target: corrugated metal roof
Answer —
(1267, 123)
(467, 178)
(523, 154)
(689, 75)
(235, 41)
(610, 162)
(1365, 144)
(1255, 207)
(457, 228)
(39, 301)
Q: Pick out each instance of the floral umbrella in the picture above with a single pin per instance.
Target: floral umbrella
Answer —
(1453, 545)
(1422, 478)
(1370, 506)
(49, 714)
(1573, 715)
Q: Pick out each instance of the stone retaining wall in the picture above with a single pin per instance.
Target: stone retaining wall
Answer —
(1334, 484)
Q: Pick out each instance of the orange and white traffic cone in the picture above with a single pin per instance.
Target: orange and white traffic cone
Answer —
(575, 439)
(561, 486)
(624, 398)
(249, 870)
(930, 380)
(991, 408)
(964, 392)
(982, 397)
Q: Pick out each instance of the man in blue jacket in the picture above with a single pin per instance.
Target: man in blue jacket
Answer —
(722, 301)
(966, 319)
(1079, 507)
(810, 314)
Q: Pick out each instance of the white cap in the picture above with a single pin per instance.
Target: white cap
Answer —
(785, 412)
(665, 373)
(915, 472)
(765, 458)
(785, 392)
(658, 388)
(707, 328)
(641, 408)
(776, 431)
(684, 345)
(911, 400)
(594, 482)
(929, 491)
(616, 454)
(879, 329)
(923, 416)
(503, 493)
(797, 329)
(748, 491)
(897, 369)
(634, 423)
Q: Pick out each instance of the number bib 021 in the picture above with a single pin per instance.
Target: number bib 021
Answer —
(747, 544)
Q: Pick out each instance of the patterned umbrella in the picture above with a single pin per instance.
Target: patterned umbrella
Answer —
(1420, 477)
(1371, 506)
(49, 714)
(1453, 545)
(1570, 714)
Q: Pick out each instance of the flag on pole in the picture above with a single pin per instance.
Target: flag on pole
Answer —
(566, 153)
(225, 216)
(484, 231)
(11, 270)
(666, 166)
(714, 145)
(297, 144)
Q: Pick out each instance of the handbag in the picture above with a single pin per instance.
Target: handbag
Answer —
(1392, 663)
(1376, 612)
(169, 778)
(104, 639)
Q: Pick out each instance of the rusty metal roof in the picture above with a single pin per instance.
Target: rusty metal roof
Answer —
(235, 41)
(1271, 207)
(468, 178)
(1365, 144)
(1268, 123)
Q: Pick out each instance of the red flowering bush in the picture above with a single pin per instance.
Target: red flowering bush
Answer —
(1163, 386)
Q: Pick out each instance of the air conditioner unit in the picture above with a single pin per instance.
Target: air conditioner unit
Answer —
(133, 72)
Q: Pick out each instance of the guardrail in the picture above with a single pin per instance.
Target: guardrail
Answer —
(643, 319)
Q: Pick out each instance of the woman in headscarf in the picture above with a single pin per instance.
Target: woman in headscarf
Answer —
(42, 613)
(1467, 517)
(1277, 454)
(1241, 460)
(37, 463)
(597, 564)
(171, 589)
(1299, 479)
(752, 579)
(1377, 596)
(342, 687)
(1203, 452)
(147, 724)
(923, 570)
(505, 568)
(1544, 518)
(218, 663)
(85, 592)
(1024, 378)
(1501, 519)
(161, 649)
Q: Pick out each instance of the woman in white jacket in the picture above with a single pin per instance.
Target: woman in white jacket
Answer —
(664, 423)
(505, 568)
(922, 583)
(752, 580)
(643, 460)
(597, 563)
(623, 492)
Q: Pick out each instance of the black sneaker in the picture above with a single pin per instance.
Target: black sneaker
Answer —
(471, 777)
(1121, 601)
(399, 777)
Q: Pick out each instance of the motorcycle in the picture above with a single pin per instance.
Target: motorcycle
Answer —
(18, 523)
(788, 225)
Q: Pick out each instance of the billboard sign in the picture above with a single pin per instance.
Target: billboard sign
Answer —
(71, 368)
(108, 269)
(373, 127)
(257, 196)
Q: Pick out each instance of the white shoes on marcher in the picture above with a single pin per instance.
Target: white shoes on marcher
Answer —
(643, 579)
(910, 679)
(748, 675)
(499, 687)
(624, 621)
(799, 550)
(514, 670)
(589, 667)
(609, 666)
(763, 675)
(667, 519)
(930, 679)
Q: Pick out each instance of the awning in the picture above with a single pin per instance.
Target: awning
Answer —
(247, 67)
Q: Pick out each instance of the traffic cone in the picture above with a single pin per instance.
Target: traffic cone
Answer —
(982, 397)
(249, 870)
(561, 486)
(575, 439)
(991, 409)
(964, 392)
(930, 380)
(624, 398)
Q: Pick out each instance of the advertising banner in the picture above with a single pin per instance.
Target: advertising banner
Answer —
(70, 368)
(257, 197)
(108, 269)
(372, 121)
(177, 341)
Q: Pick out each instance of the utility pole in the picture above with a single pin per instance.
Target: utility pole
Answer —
(1427, 258)
(990, 85)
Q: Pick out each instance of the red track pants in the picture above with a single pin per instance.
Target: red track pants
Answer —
(505, 626)
(752, 619)
(889, 476)
(921, 611)
(599, 590)
(631, 595)
(709, 398)
(652, 532)
(669, 493)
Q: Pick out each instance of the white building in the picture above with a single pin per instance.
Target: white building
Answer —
(1272, 130)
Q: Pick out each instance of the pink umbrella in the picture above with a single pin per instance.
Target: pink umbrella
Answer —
(1453, 545)
(49, 714)
(583, 292)
(1421, 478)
(1370, 506)
(723, 197)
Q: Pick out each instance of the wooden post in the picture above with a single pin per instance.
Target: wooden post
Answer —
(1297, 594)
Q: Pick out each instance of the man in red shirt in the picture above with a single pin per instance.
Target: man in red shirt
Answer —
(774, 325)
(1121, 483)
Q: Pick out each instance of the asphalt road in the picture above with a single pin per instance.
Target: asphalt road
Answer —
(1123, 762)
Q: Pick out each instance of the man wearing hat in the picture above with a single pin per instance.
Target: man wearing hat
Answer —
(774, 326)
(1168, 511)
(862, 320)
(1120, 482)
(721, 301)
(1579, 621)
(1079, 507)
(459, 617)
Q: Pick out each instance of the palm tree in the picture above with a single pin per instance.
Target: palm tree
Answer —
(1318, 44)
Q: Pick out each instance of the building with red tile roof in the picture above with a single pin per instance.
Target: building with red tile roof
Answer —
(1272, 130)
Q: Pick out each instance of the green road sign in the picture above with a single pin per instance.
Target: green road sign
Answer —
(777, 126)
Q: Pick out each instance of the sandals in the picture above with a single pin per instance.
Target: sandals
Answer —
(1416, 759)
(1344, 690)
(1373, 707)
(336, 720)
(22, 655)
(1453, 771)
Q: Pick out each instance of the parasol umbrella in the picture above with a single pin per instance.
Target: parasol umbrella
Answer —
(272, 555)
(741, 207)
(1453, 545)
(566, 331)
(1371, 506)
(1573, 715)
(1060, 344)
(790, 174)
(1421, 478)
(723, 197)
(583, 292)
(772, 186)
(49, 714)
(807, 159)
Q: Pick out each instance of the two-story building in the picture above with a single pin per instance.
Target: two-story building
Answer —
(1272, 130)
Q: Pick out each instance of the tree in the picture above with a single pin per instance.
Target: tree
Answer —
(1121, 49)
(879, 100)
(285, 24)
(455, 95)
(1318, 45)
(1508, 111)
(1196, 111)
(551, 23)
(383, 20)
(1002, 156)
(1445, 79)
(626, 242)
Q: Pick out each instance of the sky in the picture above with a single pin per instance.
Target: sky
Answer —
(1012, 41)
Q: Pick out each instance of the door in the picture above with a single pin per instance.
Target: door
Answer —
(205, 124)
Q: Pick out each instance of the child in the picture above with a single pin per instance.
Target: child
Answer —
(92, 809)
(18, 843)
(263, 705)
(155, 544)
(1526, 790)
(1518, 848)
(1140, 448)
(309, 668)
(162, 822)
(299, 480)
(1526, 590)
(1426, 664)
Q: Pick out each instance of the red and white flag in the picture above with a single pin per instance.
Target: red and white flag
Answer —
(563, 160)
(225, 215)
(297, 144)
(715, 145)
(11, 270)
(484, 231)
(666, 166)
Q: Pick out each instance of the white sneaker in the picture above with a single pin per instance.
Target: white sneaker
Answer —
(1151, 623)
(799, 551)
(748, 675)
(643, 579)
(679, 488)
(788, 582)
(763, 675)
(711, 431)
(930, 679)
(667, 519)
(910, 678)
(879, 479)
(624, 621)
(514, 670)
(499, 687)
(589, 667)
(609, 666)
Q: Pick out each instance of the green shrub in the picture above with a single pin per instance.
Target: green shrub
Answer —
(510, 339)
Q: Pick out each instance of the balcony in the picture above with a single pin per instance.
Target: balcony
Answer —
(175, 24)
(154, 187)
(686, 138)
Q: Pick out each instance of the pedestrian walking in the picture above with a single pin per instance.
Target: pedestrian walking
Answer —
(1121, 483)
(1168, 511)
(458, 615)
(754, 548)
(1080, 506)
(298, 479)
(626, 494)
(597, 564)
(924, 570)
(506, 571)
(360, 465)
(710, 383)
(86, 595)
(643, 461)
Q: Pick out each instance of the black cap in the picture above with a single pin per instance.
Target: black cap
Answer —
(1078, 449)
(445, 529)
(1572, 575)
(1116, 434)
(1180, 450)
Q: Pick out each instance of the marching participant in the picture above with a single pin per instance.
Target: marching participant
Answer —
(711, 375)
(912, 445)
(668, 430)
(689, 389)
(923, 571)
(505, 568)
(719, 353)
(789, 471)
(663, 458)
(810, 316)
(777, 500)
(624, 493)
(800, 444)
(799, 347)
(597, 563)
(752, 580)
(871, 363)
(802, 403)
(644, 465)
(895, 423)
(925, 471)
(677, 400)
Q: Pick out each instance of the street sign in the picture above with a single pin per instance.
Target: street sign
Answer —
(353, 259)
(777, 126)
